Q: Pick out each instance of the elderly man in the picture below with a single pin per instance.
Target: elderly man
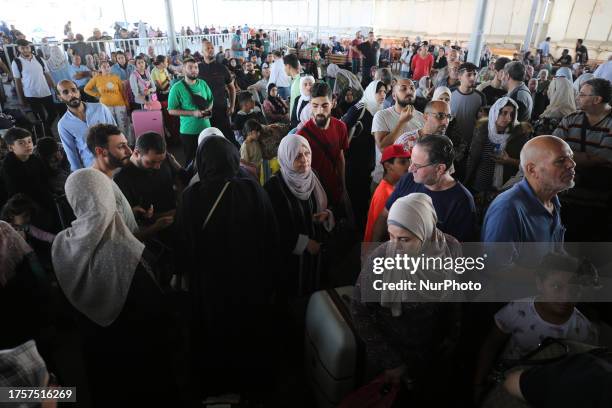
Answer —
(530, 210)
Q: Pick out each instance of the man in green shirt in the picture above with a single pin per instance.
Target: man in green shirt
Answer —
(192, 100)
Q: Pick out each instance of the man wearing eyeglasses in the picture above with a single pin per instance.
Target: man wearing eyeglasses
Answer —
(437, 120)
(588, 132)
(429, 173)
(74, 125)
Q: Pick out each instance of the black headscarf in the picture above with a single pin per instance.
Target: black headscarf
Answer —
(232, 263)
(279, 106)
(217, 160)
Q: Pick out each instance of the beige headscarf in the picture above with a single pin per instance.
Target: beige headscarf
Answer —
(13, 249)
(95, 259)
(562, 99)
(301, 185)
(415, 213)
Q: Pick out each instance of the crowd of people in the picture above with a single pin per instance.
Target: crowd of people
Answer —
(183, 276)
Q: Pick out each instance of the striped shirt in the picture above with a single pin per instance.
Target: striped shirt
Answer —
(598, 138)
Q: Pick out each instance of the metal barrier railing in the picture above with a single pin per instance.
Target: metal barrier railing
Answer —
(161, 45)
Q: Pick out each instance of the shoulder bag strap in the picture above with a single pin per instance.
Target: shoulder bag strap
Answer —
(321, 145)
(212, 210)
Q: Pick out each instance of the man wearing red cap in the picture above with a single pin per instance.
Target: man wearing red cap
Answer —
(395, 161)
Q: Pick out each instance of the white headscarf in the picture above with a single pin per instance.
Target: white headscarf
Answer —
(301, 185)
(562, 99)
(500, 138)
(303, 80)
(422, 91)
(442, 90)
(95, 259)
(57, 58)
(304, 113)
(564, 72)
(369, 98)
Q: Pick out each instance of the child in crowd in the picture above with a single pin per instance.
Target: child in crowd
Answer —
(250, 151)
(109, 88)
(395, 161)
(18, 211)
(58, 168)
(522, 325)
(247, 111)
(23, 172)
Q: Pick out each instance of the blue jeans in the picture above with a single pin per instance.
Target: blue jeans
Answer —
(405, 74)
(284, 92)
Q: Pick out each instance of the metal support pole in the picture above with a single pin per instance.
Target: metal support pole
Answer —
(318, 20)
(538, 37)
(170, 24)
(532, 17)
(124, 14)
(477, 37)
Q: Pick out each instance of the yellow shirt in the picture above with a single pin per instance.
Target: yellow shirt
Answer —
(108, 88)
(161, 77)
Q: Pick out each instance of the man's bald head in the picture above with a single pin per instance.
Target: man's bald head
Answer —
(437, 106)
(64, 83)
(547, 162)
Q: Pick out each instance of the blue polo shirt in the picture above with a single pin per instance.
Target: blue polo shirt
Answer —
(518, 216)
(454, 207)
(81, 68)
(73, 133)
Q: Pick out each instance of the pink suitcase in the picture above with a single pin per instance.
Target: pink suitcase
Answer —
(147, 121)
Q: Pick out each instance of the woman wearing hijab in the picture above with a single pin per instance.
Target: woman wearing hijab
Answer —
(562, 99)
(361, 153)
(442, 93)
(230, 253)
(301, 108)
(404, 330)
(303, 215)
(58, 65)
(541, 97)
(495, 149)
(123, 319)
(424, 87)
(275, 107)
(24, 289)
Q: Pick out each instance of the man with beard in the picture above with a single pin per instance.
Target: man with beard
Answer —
(466, 101)
(429, 173)
(328, 139)
(398, 124)
(513, 81)
(147, 180)
(112, 153)
(74, 125)
(221, 83)
(182, 102)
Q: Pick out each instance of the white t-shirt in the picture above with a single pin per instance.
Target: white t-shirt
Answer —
(32, 77)
(604, 71)
(385, 121)
(521, 319)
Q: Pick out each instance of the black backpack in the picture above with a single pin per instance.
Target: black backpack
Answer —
(20, 64)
